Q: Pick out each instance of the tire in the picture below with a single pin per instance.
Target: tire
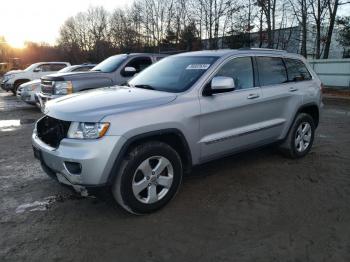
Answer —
(16, 85)
(148, 178)
(299, 142)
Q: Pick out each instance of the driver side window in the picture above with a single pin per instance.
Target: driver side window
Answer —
(140, 63)
(241, 70)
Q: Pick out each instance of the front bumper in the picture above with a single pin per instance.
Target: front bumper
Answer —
(5, 85)
(96, 158)
(27, 96)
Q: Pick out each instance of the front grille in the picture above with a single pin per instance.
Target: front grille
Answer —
(51, 130)
(47, 87)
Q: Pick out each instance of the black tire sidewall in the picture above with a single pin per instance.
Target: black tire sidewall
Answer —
(300, 119)
(128, 173)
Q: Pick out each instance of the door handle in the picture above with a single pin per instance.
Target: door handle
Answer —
(293, 89)
(253, 96)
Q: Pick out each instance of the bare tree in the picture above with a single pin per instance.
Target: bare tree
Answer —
(300, 9)
(268, 8)
(333, 6)
(319, 9)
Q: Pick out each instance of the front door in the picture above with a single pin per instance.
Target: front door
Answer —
(231, 121)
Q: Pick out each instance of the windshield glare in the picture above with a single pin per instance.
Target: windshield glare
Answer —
(173, 74)
(110, 64)
(31, 67)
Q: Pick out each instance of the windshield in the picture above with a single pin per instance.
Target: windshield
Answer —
(31, 67)
(110, 64)
(173, 74)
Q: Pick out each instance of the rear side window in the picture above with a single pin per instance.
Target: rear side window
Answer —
(241, 70)
(271, 70)
(297, 70)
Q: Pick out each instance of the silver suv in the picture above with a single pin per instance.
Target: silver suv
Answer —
(183, 111)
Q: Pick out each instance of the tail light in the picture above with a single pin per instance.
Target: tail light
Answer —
(322, 88)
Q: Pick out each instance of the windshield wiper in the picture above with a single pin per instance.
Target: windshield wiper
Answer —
(97, 70)
(145, 87)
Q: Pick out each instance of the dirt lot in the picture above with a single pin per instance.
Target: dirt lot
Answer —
(257, 206)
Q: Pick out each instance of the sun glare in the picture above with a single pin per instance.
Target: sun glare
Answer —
(16, 42)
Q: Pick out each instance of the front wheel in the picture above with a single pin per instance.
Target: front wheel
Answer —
(300, 138)
(148, 179)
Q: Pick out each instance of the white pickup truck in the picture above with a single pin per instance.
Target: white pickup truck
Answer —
(13, 79)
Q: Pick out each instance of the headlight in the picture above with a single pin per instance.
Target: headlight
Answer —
(8, 77)
(80, 130)
(63, 87)
(31, 87)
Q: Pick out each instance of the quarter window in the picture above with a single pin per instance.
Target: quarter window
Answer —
(297, 70)
(271, 70)
(241, 70)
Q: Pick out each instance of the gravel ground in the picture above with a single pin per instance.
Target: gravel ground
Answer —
(256, 206)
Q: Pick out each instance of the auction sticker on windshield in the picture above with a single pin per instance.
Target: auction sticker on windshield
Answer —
(198, 67)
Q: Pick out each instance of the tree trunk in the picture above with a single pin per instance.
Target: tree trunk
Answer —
(260, 28)
(332, 14)
(304, 30)
(318, 30)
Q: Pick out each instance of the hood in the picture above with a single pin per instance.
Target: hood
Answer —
(34, 82)
(74, 76)
(13, 72)
(93, 105)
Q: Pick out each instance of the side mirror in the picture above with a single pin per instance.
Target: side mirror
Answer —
(129, 71)
(36, 70)
(221, 84)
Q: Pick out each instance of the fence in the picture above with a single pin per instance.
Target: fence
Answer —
(332, 72)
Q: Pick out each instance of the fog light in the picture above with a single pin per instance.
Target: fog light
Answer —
(73, 167)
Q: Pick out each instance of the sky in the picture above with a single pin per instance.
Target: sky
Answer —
(40, 20)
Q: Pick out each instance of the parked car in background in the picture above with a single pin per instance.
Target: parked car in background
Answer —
(28, 91)
(13, 79)
(77, 68)
(183, 111)
(115, 70)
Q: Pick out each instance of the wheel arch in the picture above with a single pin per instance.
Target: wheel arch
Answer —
(21, 81)
(311, 109)
(173, 137)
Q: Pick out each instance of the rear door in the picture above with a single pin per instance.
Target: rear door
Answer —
(300, 80)
(280, 97)
(229, 121)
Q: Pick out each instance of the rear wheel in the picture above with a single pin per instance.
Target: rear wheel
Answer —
(148, 179)
(300, 138)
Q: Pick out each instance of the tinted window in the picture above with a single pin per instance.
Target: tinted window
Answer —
(173, 74)
(241, 70)
(140, 63)
(297, 70)
(57, 67)
(82, 69)
(110, 64)
(44, 68)
(271, 70)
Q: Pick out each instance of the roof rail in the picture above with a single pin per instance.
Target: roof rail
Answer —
(262, 49)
